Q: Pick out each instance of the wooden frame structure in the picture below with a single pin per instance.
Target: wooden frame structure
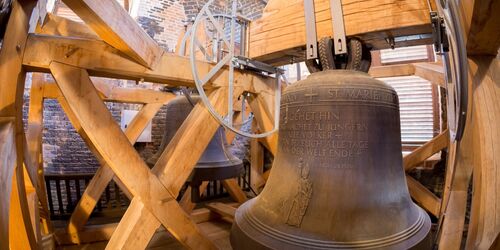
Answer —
(113, 45)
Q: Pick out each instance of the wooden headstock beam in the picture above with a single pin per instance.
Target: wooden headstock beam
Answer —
(100, 59)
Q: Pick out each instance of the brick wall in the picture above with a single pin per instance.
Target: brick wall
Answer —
(163, 20)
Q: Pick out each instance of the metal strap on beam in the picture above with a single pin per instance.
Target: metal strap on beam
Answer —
(311, 39)
(339, 39)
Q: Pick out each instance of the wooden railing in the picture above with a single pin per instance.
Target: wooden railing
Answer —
(65, 190)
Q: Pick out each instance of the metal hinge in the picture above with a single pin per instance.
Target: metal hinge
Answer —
(440, 38)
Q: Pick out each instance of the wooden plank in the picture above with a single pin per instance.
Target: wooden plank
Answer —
(485, 117)
(60, 26)
(116, 27)
(103, 60)
(119, 154)
(392, 70)
(222, 209)
(234, 190)
(8, 163)
(423, 196)
(425, 151)
(282, 25)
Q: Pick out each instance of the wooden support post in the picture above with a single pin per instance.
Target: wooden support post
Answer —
(119, 154)
(34, 147)
(116, 27)
(256, 164)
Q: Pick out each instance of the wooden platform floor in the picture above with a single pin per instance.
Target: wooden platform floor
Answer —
(216, 230)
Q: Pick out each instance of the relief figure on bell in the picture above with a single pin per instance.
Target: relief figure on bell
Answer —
(298, 204)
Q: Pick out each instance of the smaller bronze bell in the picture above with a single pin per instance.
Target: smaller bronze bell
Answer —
(216, 163)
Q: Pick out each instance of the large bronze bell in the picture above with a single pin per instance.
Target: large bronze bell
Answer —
(337, 180)
(216, 163)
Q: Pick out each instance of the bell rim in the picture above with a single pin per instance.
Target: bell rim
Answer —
(408, 238)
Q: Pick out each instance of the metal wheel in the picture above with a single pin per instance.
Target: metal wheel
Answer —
(227, 58)
(456, 65)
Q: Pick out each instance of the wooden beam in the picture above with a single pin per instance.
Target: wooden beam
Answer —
(60, 26)
(222, 209)
(186, 202)
(116, 27)
(116, 94)
(135, 236)
(423, 196)
(234, 190)
(392, 70)
(484, 119)
(174, 165)
(262, 106)
(425, 151)
(102, 60)
(89, 234)
(34, 135)
(432, 72)
(87, 202)
(256, 165)
(119, 154)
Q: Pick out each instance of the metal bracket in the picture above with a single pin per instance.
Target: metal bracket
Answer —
(339, 39)
(311, 38)
(440, 38)
(245, 63)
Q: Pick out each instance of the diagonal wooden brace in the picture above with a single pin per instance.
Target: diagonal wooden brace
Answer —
(115, 149)
(105, 174)
(175, 165)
